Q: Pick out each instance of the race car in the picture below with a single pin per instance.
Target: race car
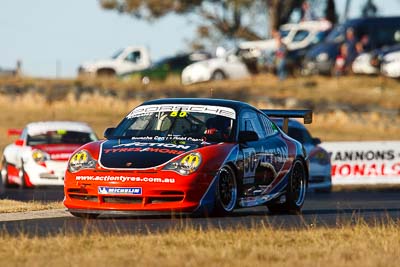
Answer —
(39, 156)
(195, 156)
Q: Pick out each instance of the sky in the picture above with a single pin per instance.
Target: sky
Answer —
(44, 34)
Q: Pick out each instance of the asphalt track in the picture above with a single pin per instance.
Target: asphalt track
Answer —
(320, 209)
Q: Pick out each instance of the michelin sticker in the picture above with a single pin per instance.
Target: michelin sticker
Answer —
(103, 190)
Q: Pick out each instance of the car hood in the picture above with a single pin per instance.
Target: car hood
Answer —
(103, 63)
(58, 151)
(130, 154)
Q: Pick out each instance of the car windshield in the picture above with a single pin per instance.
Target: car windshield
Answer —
(178, 122)
(61, 137)
(116, 54)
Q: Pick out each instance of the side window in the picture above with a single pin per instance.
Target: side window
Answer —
(270, 128)
(249, 121)
(133, 57)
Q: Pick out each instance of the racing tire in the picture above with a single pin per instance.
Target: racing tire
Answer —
(105, 73)
(218, 75)
(226, 192)
(85, 215)
(295, 192)
(4, 173)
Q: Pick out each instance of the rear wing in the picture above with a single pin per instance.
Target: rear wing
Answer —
(306, 114)
(14, 132)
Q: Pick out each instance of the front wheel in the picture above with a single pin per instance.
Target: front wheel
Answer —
(293, 200)
(226, 192)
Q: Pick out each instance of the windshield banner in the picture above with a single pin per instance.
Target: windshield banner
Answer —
(149, 109)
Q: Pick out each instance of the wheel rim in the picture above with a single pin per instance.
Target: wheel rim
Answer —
(227, 189)
(298, 183)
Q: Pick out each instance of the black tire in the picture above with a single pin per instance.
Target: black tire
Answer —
(4, 173)
(105, 73)
(218, 75)
(85, 215)
(295, 192)
(226, 192)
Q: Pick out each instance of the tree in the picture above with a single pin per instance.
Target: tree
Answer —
(218, 20)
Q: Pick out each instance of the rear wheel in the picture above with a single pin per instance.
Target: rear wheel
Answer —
(218, 75)
(226, 191)
(293, 200)
(4, 174)
(85, 215)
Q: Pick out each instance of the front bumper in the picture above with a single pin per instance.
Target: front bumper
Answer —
(186, 194)
(52, 174)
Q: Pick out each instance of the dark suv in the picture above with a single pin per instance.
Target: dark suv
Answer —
(380, 31)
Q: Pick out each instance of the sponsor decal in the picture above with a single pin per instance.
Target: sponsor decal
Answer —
(141, 144)
(124, 179)
(104, 190)
(140, 149)
(183, 109)
(364, 162)
(267, 158)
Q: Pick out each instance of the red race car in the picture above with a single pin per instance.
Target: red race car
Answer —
(205, 156)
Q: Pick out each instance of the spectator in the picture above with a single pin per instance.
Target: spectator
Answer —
(306, 12)
(280, 58)
(363, 45)
(351, 43)
(340, 67)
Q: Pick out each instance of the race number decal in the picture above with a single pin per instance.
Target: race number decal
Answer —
(250, 162)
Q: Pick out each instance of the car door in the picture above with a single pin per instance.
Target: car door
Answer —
(274, 156)
(252, 152)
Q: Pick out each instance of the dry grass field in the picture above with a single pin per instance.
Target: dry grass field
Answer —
(357, 245)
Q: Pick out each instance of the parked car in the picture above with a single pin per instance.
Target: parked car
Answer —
(169, 65)
(39, 156)
(320, 160)
(370, 62)
(296, 36)
(228, 66)
(129, 59)
(204, 156)
(391, 65)
(321, 58)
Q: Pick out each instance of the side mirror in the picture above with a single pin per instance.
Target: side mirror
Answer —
(108, 132)
(247, 136)
(316, 141)
(19, 142)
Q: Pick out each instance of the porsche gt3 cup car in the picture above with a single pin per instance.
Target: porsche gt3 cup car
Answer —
(39, 156)
(203, 156)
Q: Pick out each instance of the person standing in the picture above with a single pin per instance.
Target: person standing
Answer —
(280, 58)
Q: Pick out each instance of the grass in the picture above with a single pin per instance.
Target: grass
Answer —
(8, 206)
(359, 245)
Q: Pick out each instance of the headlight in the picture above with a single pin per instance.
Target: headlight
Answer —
(322, 57)
(81, 160)
(40, 156)
(185, 165)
